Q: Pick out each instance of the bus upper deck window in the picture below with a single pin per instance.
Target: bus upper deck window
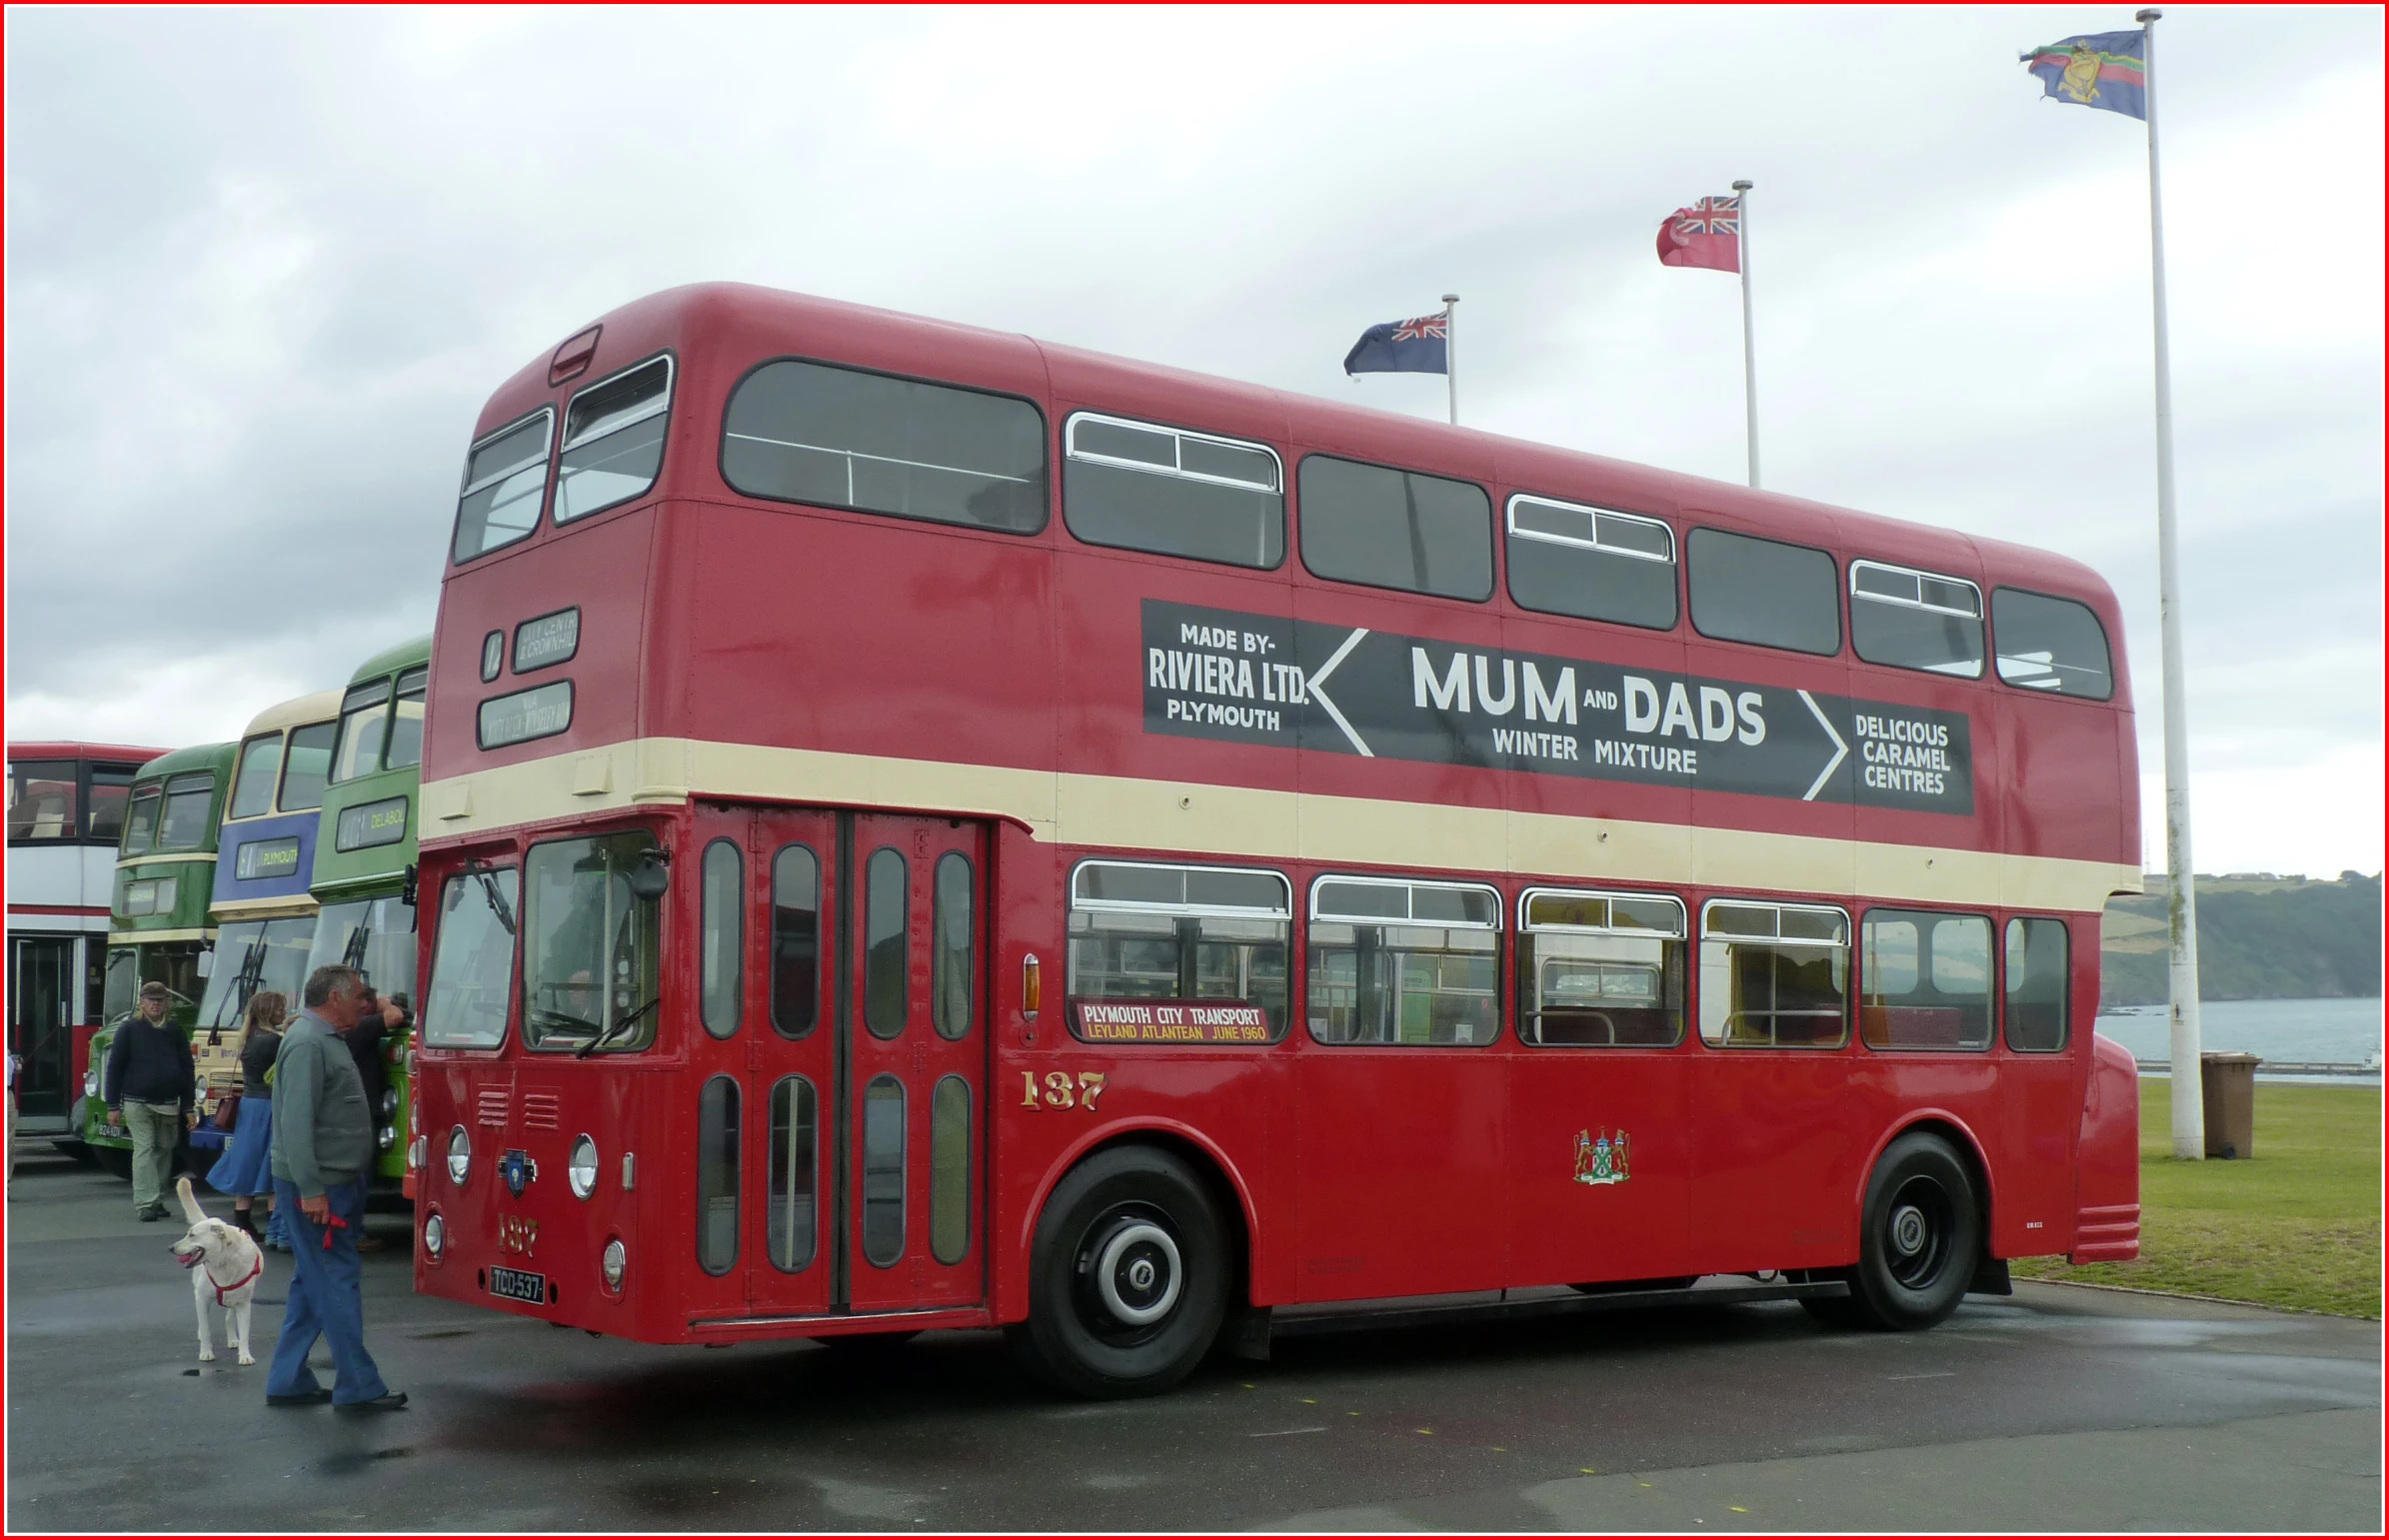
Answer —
(2051, 645)
(41, 799)
(111, 788)
(797, 431)
(1915, 620)
(405, 746)
(253, 784)
(1394, 529)
(1764, 592)
(504, 476)
(1148, 488)
(307, 766)
(364, 726)
(613, 439)
(185, 825)
(1592, 563)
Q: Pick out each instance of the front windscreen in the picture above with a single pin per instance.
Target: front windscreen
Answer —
(141, 823)
(185, 825)
(364, 720)
(375, 937)
(473, 966)
(307, 766)
(253, 783)
(590, 944)
(120, 990)
(252, 955)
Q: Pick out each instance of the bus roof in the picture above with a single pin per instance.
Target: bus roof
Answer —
(204, 756)
(763, 322)
(406, 654)
(321, 706)
(120, 752)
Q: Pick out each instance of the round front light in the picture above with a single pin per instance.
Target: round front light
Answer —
(612, 1263)
(435, 1234)
(386, 1137)
(415, 1149)
(460, 1154)
(581, 1172)
(390, 1103)
(410, 1063)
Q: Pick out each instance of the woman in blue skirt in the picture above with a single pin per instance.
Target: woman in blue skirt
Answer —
(243, 1172)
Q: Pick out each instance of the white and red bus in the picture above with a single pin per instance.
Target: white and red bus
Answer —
(66, 804)
(928, 828)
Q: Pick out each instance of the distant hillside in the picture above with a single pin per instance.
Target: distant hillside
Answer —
(2259, 937)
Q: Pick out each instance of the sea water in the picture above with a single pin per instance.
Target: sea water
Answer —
(2342, 1031)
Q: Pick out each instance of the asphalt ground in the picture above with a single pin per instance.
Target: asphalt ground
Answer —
(2061, 1409)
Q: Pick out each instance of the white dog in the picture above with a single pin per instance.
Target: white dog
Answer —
(225, 1264)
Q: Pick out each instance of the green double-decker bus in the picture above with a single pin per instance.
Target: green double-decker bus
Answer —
(365, 864)
(158, 921)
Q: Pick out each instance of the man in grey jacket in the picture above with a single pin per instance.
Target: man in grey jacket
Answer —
(323, 1142)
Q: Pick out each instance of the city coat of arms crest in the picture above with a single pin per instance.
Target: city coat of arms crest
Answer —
(1601, 1161)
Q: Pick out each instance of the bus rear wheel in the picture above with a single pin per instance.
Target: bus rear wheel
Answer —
(1920, 1238)
(1127, 1278)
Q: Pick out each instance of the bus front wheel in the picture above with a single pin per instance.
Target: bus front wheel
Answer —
(1920, 1240)
(1127, 1279)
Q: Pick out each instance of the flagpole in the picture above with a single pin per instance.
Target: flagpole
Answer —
(2181, 896)
(1749, 351)
(1452, 355)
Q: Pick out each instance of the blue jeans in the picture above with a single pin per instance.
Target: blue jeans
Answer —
(326, 1299)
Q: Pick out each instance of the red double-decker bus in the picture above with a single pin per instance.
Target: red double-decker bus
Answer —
(928, 828)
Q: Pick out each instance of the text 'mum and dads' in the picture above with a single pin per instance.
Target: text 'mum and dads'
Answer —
(1268, 679)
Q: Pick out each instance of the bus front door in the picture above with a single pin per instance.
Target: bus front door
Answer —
(41, 980)
(861, 1035)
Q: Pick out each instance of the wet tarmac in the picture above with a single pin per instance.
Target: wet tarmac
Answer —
(2058, 1410)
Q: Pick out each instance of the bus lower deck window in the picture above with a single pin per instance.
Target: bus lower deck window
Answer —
(1395, 961)
(1601, 971)
(1140, 931)
(1774, 976)
(1925, 981)
(2038, 982)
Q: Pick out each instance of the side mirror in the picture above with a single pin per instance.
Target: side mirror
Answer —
(652, 877)
(207, 964)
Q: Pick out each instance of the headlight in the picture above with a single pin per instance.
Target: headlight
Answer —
(386, 1138)
(389, 1104)
(415, 1148)
(581, 1172)
(91, 1083)
(435, 1233)
(410, 1063)
(460, 1154)
(612, 1263)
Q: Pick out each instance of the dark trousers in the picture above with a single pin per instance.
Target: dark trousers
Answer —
(326, 1299)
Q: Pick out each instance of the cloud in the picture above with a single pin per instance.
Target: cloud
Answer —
(264, 267)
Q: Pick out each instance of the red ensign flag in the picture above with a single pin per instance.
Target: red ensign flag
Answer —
(1707, 235)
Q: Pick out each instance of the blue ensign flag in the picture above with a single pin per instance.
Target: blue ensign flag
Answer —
(1413, 347)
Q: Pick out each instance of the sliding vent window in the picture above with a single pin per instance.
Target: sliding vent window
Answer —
(1405, 962)
(1601, 971)
(1915, 620)
(1148, 488)
(1565, 558)
(504, 476)
(1396, 529)
(2050, 644)
(1925, 981)
(1774, 976)
(1764, 592)
(1190, 934)
(839, 438)
(613, 439)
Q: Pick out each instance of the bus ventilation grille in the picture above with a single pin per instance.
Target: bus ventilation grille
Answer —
(491, 1109)
(541, 1111)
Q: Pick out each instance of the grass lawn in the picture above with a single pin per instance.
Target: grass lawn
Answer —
(2298, 1225)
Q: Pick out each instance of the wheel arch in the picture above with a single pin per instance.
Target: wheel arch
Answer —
(1210, 1165)
(1952, 1127)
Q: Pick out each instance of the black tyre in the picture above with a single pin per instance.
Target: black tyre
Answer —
(1920, 1237)
(1127, 1278)
(115, 1163)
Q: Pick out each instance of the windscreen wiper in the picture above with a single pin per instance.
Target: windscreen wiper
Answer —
(488, 877)
(617, 1029)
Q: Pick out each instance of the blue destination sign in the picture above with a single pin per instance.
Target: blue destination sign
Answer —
(552, 639)
(370, 824)
(526, 714)
(259, 858)
(1288, 684)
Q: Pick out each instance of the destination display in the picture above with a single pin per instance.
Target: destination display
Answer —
(258, 859)
(370, 824)
(526, 714)
(1170, 1021)
(1290, 684)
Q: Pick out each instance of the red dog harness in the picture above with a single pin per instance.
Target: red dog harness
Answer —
(223, 1289)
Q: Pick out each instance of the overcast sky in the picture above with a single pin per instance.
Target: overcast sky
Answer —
(264, 267)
